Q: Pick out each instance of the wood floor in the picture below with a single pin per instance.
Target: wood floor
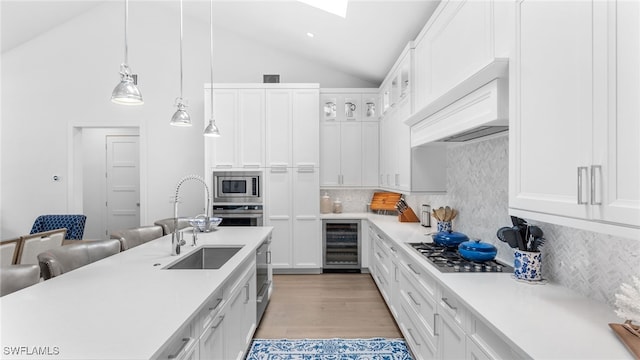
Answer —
(326, 306)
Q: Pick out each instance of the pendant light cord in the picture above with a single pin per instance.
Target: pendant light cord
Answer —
(126, 43)
(211, 57)
(180, 49)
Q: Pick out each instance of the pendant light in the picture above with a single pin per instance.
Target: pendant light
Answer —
(126, 92)
(211, 130)
(181, 117)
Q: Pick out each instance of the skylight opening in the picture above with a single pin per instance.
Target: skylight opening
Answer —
(336, 7)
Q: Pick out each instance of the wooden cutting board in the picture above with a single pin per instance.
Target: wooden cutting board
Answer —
(384, 201)
(630, 341)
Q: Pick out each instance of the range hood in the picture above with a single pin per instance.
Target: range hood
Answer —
(475, 108)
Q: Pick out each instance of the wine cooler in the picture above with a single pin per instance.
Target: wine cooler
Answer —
(341, 244)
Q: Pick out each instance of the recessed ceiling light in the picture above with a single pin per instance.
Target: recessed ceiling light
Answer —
(336, 7)
(310, 35)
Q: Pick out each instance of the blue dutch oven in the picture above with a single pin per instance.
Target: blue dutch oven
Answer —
(475, 250)
(449, 238)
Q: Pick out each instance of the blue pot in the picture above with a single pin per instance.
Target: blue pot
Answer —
(476, 250)
(449, 238)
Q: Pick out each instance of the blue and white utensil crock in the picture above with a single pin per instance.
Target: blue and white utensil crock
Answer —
(444, 226)
(527, 265)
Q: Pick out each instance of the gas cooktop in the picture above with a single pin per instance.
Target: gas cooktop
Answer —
(447, 259)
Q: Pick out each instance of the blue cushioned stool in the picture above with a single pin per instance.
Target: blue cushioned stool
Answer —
(73, 223)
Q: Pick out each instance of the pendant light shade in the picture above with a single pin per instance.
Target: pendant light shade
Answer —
(126, 92)
(181, 117)
(212, 129)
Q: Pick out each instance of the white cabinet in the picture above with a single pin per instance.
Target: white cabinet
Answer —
(292, 183)
(240, 314)
(292, 127)
(212, 340)
(349, 138)
(460, 38)
(240, 116)
(575, 89)
(294, 212)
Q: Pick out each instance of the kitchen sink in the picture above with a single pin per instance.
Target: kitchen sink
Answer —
(208, 257)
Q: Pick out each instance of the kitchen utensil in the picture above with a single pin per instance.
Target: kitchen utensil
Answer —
(500, 234)
(441, 214)
(511, 237)
(537, 243)
(454, 213)
(476, 250)
(447, 214)
(449, 238)
(520, 239)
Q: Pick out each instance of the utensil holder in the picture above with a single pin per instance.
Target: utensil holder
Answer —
(444, 226)
(527, 265)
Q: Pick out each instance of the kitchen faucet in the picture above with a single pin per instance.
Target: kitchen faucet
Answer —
(176, 241)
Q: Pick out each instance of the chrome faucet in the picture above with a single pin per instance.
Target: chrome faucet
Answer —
(176, 240)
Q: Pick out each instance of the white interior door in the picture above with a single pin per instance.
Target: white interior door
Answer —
(123, 183)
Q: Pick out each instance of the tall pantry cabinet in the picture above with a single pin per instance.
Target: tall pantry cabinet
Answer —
(574, 154)
(274, 128)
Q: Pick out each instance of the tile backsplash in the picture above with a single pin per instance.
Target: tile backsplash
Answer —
(590, 263)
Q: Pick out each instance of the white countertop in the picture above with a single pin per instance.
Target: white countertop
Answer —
(121, 307)
(545, 321)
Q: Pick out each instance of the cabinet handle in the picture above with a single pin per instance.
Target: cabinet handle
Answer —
(216, 305)
(446, 301)
(393, 250)
(215, 326)
(269, 257)
(581, 170)
(224, 166)
(306, 169)
(279, 169)
(412, 298)
(410, 266)
(185, 341)
(379, 255)
(435, 324)
(593, 183)
(246, 293)
(263, 293)
(251, 166)
(413, 337)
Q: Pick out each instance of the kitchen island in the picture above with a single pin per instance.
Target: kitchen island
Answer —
(127, 306)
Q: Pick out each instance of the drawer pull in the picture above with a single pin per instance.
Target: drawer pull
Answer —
(413, 337)
(218, 302)
(446, 301)
(393, 249)
(412, 269)
(215, 326)
(378, 255)
(185, 341)
(435, 324)
(412, 298)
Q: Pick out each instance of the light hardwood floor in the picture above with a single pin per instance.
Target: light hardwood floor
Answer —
(326, 306)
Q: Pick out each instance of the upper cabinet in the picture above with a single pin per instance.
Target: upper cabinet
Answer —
(460, 38)
(574, 150)
(349, 137)
(239, 114)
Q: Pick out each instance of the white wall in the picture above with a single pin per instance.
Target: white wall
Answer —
(65, 78)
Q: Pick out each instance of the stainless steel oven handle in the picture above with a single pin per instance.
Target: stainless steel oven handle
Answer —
(265, 288)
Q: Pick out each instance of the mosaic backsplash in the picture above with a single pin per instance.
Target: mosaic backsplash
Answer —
(590, 263)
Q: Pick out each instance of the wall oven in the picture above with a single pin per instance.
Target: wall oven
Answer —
(237, 187)
(239, 214)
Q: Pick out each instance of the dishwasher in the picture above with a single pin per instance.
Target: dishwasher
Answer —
(341, 241)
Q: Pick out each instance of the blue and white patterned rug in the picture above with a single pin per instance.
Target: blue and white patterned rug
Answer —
(329, 349)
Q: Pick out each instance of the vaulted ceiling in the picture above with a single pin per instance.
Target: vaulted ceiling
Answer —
(364, 44)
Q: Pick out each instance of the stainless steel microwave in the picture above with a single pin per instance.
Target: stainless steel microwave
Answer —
(238, 187)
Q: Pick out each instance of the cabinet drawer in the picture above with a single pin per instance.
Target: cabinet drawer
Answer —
(490, 342)
(208, 312)
(415, 298)
(416, 335)
(420, 278)
(180, 344)
(452, 306)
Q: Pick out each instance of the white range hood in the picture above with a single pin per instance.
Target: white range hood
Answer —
(477, 107)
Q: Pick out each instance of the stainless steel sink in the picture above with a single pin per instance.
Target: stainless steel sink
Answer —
(208, 257)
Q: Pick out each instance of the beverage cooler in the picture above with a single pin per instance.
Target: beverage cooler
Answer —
(341, 245)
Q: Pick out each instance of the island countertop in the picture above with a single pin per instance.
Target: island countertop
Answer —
(123, 307)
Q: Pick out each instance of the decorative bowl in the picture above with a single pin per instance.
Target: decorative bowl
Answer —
(205, 224)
